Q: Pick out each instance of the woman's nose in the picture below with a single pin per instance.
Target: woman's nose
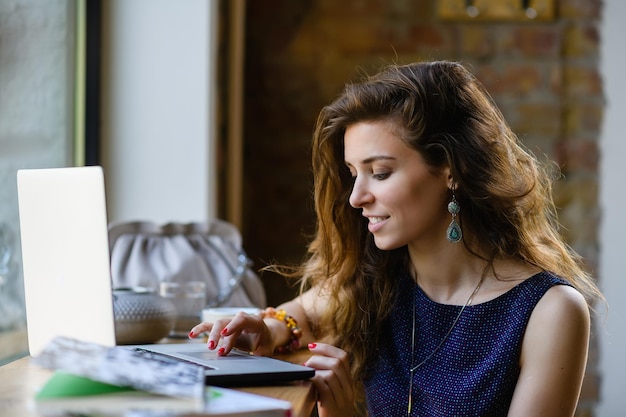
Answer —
(360, 194)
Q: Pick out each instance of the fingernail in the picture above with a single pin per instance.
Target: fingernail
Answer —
(312, 345)
(211, 345)
(221, 351)
(192, 335)
(225, 330)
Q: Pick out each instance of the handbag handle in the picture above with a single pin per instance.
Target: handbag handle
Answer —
(235, 281)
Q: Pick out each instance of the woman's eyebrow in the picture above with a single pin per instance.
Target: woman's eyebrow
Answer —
(374, 158)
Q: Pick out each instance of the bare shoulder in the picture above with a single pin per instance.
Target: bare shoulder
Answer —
(561, 320)
(562, 302)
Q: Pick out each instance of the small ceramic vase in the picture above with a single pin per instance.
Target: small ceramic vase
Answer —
(141, 316)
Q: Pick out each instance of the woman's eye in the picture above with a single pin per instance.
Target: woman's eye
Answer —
(381, 175)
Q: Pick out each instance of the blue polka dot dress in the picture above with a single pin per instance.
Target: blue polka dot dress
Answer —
(473, 373)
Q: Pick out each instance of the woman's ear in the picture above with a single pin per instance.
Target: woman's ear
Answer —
(449, 178)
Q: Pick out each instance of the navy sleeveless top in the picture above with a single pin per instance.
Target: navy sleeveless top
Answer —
(473, 373)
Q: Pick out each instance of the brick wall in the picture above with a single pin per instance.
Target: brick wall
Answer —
(299, 54)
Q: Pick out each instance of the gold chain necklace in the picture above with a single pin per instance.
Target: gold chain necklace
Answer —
(456, 319)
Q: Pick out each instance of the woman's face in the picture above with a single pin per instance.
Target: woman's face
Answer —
(403, 201)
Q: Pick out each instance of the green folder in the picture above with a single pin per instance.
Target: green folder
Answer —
(62, 384)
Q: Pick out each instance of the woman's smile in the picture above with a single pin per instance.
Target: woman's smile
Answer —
(375, 223)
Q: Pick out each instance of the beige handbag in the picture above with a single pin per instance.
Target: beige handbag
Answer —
(145, 254)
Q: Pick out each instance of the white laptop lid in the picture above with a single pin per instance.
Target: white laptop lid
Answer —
(65, 255)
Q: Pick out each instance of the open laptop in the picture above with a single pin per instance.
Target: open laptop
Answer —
(67, 281)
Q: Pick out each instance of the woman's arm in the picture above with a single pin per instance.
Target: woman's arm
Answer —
(554, 356)
(307, 310)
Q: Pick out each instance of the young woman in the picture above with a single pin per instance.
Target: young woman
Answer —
(437, 283)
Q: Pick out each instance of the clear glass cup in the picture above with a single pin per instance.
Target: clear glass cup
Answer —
(189, 298)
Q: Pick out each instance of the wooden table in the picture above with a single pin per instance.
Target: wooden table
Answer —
(20, 379)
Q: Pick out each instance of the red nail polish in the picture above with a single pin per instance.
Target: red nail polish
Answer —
(312, 345)
(221, 351)
(225, 330)
(191, 335)
(211, 345)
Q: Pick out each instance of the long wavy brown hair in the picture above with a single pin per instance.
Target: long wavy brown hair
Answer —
(441, 110)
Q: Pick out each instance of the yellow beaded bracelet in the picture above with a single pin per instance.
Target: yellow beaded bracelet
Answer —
(295, 333)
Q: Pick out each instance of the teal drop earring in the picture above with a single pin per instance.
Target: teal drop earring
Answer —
(454, 233)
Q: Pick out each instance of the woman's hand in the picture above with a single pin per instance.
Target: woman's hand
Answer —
(243, 331)
(335, 393)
